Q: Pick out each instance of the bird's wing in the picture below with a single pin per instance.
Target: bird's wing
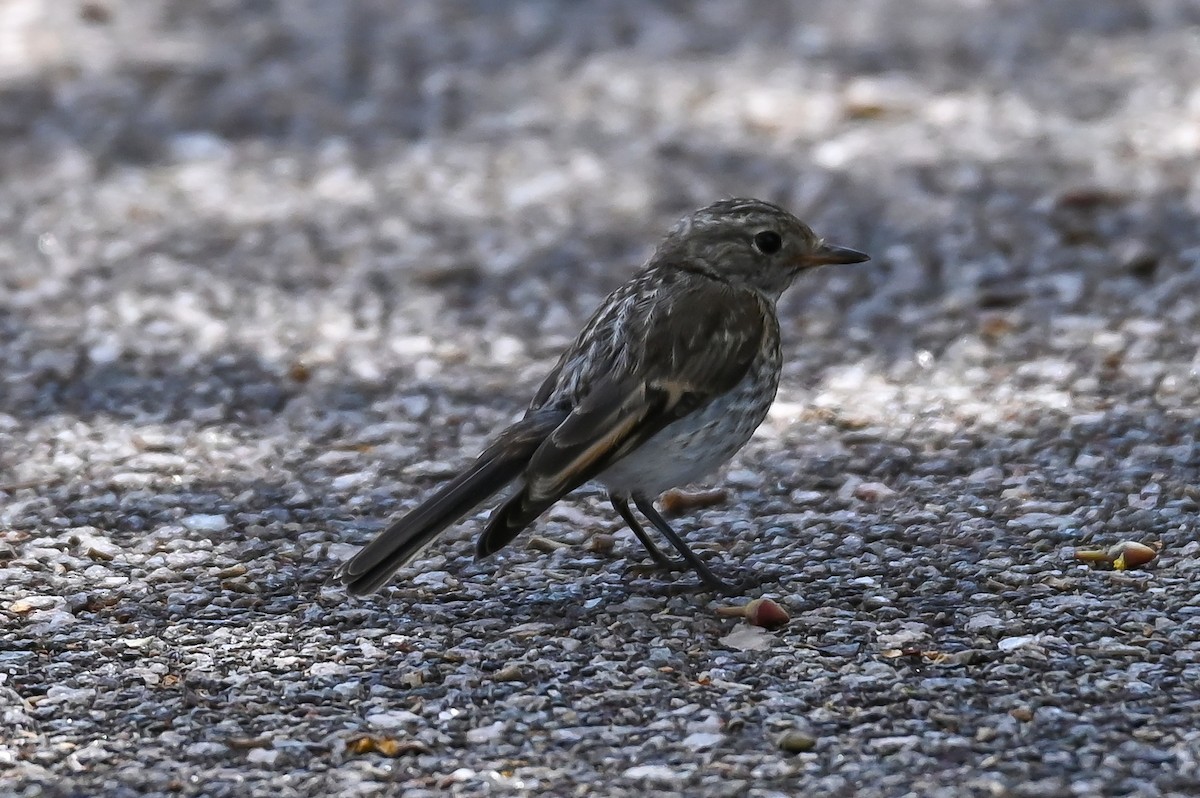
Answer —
(693, 349)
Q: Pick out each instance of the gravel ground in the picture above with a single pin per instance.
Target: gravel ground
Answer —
(271, 270)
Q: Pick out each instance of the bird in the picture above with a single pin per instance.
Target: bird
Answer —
(665, 383)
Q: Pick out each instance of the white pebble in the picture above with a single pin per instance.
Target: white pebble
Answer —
(262, 756)
(486, 734)
(393, 719)
(434, 579)
(652, 773)
(205, 523)
(698, 741)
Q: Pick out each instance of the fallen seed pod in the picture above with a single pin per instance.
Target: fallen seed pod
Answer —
(1131, 554)
(762, 612)
(545, 545)
(1123, 556)
(601, 543)
(675, 501)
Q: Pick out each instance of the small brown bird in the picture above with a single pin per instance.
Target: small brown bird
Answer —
(670, 377)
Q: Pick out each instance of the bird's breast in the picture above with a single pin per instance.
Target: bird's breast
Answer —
(695, 446)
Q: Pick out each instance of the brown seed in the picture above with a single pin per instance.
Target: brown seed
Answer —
(1088, 197)
(762, 612)
(994, 326)
(545, 545)
(95, 13)
(101, 555)
(299, 371)
(601, 543)
(1123, 556)
(676, 502)
(864, 109)
(387, 746)
(246, 743)
(1131, 554)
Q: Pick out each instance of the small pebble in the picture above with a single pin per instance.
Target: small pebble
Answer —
(796, 741)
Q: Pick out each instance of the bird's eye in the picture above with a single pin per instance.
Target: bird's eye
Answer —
(768, 242)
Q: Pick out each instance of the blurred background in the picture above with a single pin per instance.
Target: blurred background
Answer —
(260, 233)
(384, 190)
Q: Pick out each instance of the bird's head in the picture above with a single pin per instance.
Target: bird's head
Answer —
(750, 242)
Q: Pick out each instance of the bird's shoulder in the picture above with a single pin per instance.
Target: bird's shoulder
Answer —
(669, 328)
(705, 338)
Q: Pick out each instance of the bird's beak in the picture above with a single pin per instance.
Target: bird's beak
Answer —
(829, 254)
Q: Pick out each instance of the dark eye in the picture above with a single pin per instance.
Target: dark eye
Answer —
(768, 242)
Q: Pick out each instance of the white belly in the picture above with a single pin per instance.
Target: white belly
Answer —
(693, 447)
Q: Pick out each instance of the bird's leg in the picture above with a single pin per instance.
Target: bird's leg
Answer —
(706, 576)
(621, 504)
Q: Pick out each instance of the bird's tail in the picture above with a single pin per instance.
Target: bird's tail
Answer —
(509, 519)
(405, 538)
